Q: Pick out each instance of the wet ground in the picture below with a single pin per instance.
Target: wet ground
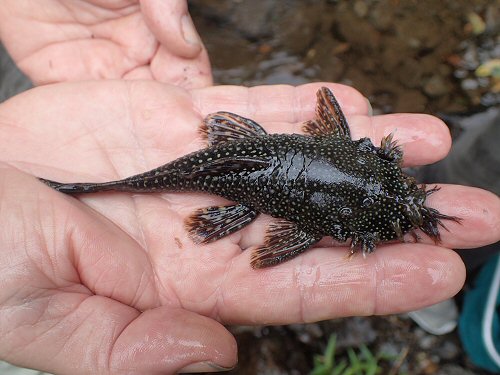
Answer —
(405, 56)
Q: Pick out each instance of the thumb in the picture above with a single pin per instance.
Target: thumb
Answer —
(172, 25)
(166, 340)
(103, 336)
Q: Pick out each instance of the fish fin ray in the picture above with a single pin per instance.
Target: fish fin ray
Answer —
(390, 150)
(367, 242)
(284, 241)
(396, 227)
(432, 220)
(212, 223)
(226, 126)
(330, 119)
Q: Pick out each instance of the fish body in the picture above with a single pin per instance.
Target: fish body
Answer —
(321, 184)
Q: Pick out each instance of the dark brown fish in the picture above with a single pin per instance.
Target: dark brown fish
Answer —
(320, 184)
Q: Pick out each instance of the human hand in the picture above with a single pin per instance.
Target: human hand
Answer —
(53, 41)
(111, 283)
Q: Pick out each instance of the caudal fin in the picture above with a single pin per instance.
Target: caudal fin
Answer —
(78, 188)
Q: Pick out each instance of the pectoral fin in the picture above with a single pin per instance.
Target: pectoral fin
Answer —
(226, 126)
(329, 117)
(212, 223)
(284, 241)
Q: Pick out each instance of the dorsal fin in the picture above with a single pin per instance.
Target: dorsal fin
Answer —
(329, 117)
(226, 126)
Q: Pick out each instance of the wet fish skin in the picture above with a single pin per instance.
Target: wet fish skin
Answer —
(321, 184)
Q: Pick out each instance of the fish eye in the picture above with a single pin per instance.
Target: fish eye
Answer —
(368, 202)
(365, 144)
(345, 211)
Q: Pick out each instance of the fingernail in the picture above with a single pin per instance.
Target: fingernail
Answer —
(203, 367)
(370, 108)
(189, 31)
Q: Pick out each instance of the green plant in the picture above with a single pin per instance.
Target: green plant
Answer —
(361, 362)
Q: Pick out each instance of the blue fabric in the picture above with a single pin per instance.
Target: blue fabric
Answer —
(471, 318)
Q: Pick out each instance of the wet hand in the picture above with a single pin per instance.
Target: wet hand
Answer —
(111, 282)
(53, 41)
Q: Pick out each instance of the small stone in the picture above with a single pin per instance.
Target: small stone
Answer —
(448, 350)
(361, 9)
(469, 84)
(453, 370)
(436, 86)
(411, 101)
(427, 342)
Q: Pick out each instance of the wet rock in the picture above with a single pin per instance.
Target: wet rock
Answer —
(382, 15)
(436, 86)
(448, 350)
(250, 19)
(426, 342)
(356, 331)
(470, 84)
(360, 35)
(392, 55)
(453, 370)
(409, 73)
(269, 353)
(360, 8)
(410, 101)
(299, 27)
(416, 36)
(307, 333)
(326, 55)
(426, 364)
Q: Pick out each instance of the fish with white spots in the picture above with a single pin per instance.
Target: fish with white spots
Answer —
(319, 184)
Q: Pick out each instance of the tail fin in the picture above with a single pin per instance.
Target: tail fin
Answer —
(78, 188)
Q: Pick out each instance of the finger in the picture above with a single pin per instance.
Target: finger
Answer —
(478, 211)
(185, 73)
(424, 139)
(172, 25)
(84, 59)
(142, 73)
(96, 335)
(189, 73)
(173, 340)
(276, 102)
(324, 283)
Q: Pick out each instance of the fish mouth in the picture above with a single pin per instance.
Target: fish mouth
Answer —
(426, 218)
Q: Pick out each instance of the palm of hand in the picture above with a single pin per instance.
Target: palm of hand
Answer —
(105, 39)
(89, 267)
